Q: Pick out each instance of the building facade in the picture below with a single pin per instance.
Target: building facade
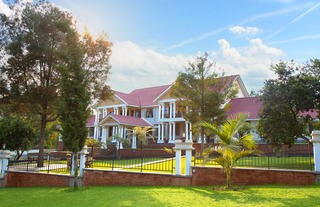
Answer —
(155, 107)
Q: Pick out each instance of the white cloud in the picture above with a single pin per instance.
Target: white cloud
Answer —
(245, 31)
(252, 62)
(4, 8)
(135, 67)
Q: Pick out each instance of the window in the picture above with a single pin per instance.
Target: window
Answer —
(91, 131)
(149, 113)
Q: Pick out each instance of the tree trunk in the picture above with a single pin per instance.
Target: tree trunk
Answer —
(42, 137)
(228, 179)
(75, 167)
(202, 141)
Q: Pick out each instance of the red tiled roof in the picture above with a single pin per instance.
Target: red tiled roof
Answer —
(90, 122)
(252, 107)
(130, 120)
(142, 97)
(247, 105)
(146, 96)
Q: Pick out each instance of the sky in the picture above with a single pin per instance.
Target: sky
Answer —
(153, 40)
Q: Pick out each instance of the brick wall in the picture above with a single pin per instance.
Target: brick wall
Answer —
(104, 177)
(31, 179)
(216, 176)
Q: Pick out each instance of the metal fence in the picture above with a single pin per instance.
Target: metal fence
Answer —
(291, 160)
(51, 164)
(143, 162)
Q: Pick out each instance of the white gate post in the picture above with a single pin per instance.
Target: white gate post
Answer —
(83, 154)
(178, 162)
(316, 149)
(187, 146)
(4, 159)
(72, 165)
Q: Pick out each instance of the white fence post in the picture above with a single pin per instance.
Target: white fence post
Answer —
(187, 146)
(316, 149)
(72, 166)
(83, 154)
(4, 159)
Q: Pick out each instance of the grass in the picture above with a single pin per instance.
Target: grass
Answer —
(266, 196)
(299, 163)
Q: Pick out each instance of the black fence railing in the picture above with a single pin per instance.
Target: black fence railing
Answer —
(51, 164)
(294, 160)
(143, 162)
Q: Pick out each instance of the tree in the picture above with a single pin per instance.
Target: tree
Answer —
(142, 134)
(295, 90)
(73, 110)
(231, 147)
(116, 137)
(16, 135)
(31, 39)
(203, 92)
(90, 142)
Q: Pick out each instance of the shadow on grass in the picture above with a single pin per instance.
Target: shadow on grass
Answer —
(272, 195)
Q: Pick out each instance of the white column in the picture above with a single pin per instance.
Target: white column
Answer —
(188, 161)
(113, 133)
(159, 112)
(134, 140)
(170, 132)
(107, 133)
(126, 111)
(174, 109)
(199, 138)
(190, 136)
(173, 131)
(316, 149)
(121, 135)
(4, 160)
(162, 111)
(95, 132)
(178, 162)
(187, 131)
(159, 131)
(162, 132)
(104, 135)
(170, 113)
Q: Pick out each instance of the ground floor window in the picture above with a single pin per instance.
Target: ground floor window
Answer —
(91, 131)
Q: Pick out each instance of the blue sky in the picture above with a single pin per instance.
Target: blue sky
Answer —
(153, 40)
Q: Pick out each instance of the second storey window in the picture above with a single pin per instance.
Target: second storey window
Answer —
(149, 113)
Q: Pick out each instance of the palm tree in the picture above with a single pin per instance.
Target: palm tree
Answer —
(119, 139)
(230, 147)
(142, 134)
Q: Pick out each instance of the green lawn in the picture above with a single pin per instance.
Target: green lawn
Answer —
(161, 196)
(299, 163)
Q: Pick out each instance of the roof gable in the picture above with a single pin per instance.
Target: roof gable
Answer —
(113, 100)
(125, 120)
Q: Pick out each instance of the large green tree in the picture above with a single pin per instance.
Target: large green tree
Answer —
(204, 93)
(295, 90)
(16, 135)
(73, 109)
(30, 40)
